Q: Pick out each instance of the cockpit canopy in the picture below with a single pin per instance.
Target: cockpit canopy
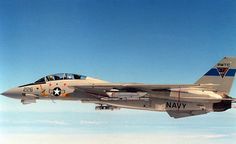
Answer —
(60, 76)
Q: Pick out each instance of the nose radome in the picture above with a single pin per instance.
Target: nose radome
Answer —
(13, 93)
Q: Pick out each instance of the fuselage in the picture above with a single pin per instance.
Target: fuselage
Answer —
(207, 94)
(64, 89)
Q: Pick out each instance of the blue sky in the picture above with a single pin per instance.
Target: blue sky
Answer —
(120, 41)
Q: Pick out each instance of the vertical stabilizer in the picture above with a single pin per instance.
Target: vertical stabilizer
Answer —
(222, 74)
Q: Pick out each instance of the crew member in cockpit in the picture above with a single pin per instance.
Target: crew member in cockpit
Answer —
(51, 78)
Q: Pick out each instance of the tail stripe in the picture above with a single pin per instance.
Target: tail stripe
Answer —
(231, 72)
(214, 72)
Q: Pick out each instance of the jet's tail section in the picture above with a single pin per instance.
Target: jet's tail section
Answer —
(221, 75)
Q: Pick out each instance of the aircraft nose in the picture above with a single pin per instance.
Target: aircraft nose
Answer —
(13, 93)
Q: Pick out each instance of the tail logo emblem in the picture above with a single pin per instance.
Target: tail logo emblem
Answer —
(223, 69)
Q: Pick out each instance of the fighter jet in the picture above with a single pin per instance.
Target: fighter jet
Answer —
(208, 94)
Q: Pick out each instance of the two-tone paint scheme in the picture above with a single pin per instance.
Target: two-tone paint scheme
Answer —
(210, 93)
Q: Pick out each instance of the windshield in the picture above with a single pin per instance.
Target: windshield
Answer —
(41, 80)
(61, 76)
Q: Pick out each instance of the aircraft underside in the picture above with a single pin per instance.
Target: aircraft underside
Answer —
(175, 108)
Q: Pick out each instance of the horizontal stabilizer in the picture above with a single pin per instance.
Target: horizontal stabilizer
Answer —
(182, 114)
